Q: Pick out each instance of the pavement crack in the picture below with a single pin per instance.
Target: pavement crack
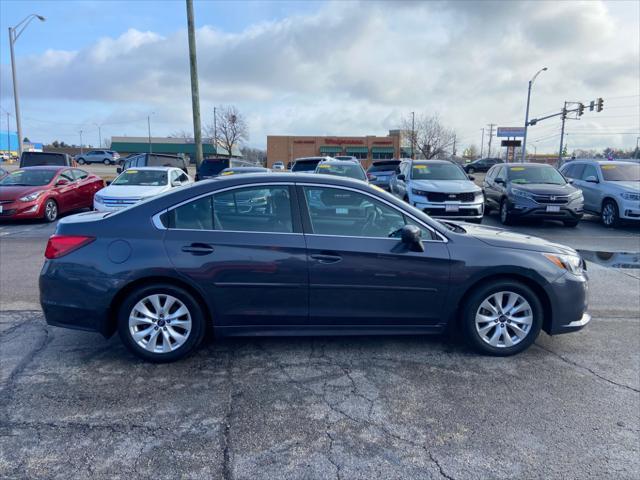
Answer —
(591, 371)
(44, 341)
(227, 467)
(335, 464)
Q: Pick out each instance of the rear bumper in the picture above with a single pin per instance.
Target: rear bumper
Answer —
(569, 303)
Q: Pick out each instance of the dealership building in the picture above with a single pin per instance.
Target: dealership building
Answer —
(286, 149)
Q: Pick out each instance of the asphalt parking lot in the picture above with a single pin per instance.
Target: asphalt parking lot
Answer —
(78, 406)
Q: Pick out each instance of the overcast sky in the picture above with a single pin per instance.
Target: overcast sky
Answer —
(316, 68)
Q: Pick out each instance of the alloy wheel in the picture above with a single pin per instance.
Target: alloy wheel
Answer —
(504, 213)
(608, 214)
(160, 323)
(504, 319)
(51, 210)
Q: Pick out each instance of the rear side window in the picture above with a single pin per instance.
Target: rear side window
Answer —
(79, 174)
(251, 209)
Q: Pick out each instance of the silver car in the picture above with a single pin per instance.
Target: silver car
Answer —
(108, 157)
(439, 188)
(611, 189)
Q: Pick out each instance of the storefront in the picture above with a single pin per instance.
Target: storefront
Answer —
(367, 149)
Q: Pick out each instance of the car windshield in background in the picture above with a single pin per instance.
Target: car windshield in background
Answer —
(34, 159)
(309, 166)
(437, 171)
(211, 168)
(28, 178)
(146, 178)
(525, 174)
(621, 173)
(350, 170)
(383, 167)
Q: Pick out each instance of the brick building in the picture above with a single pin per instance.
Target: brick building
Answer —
(286, 149)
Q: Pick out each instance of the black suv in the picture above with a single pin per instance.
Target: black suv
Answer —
(154, 160)
(36, 159)
(481, 165)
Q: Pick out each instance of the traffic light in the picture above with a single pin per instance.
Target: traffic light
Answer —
(580, 109)
(600, 105)
(592, 105)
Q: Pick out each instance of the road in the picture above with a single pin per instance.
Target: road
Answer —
(80, 406)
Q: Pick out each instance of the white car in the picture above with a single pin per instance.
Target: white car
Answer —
(136, 184)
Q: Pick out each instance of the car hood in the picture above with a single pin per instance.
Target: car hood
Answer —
(448, 186)
(499, 237)
(13, 193)
(625, 186)
(545, 188)
(132, 191)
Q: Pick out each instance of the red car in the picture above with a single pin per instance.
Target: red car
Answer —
(46, 191)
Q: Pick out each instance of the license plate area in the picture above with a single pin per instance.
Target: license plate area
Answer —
(448, 207)
(553, 208)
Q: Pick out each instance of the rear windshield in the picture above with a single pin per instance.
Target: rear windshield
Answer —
(29, 178)
(146, 178)
(350, 170)
(621, 173)
(384, 167)
(305, 165)
(158, 161)
(209, 168)
(527, 174)
(237, 171)
(33, 159)
(437, 171)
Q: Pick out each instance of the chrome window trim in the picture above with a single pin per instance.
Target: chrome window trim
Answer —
(158, 224)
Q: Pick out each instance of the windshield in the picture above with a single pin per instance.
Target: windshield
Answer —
(30, 178)
(350, 170)
(384, 167)
(32, 159)
(437, 171)
(209, 168)
(305, 166)
(538, 174)
(621, 172)
(146, 178)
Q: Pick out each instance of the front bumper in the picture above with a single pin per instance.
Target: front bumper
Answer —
(629, 210)
(21, 210)
(453, 210)
(525, 208)
(568, 297)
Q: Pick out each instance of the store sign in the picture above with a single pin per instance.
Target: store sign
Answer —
(382, 142)
(308, 142)
(510, 132)
(342, 141)
(511, 143)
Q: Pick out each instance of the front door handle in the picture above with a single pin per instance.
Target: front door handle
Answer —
(198, 249)
(326, 258)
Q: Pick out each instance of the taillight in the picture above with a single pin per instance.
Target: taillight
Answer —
(61, 245)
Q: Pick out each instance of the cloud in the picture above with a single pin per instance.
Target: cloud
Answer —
(351, 68)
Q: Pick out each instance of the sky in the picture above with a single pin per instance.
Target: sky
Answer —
(325, 68)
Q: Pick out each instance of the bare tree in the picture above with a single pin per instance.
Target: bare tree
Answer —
(230, 128)
(254, 155)
(182, 134)
(471, 152)
(431, 138)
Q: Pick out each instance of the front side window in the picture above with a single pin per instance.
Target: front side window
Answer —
(67, 175)
(79, 174)
(589, 171)
(346, 213)
(250, 209)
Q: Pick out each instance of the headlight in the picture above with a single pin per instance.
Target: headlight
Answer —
(576, 194)
(521, 193)
(630, 196)
(571, 263)
(97, 198)
(420, 193)
(32, 196)
(479, 195)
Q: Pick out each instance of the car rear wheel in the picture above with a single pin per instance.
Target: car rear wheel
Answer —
(471, 170)
(502, 318)
(505, 217)
(161, 323)
(106, 161)
(610, 216)
(81, 161)
(50, 210)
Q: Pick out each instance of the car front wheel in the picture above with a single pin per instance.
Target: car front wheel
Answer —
(50, 210)
(161, 323)
(81, 161)
(502, 318)
(106, 161)
(505, 216)
(610, 216)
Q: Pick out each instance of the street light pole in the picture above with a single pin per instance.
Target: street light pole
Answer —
(149, 131)
(482, 144)
(195, 92)
(413, 135)
(99, 135)
(526, 116)
(81, 152)
(14, 33)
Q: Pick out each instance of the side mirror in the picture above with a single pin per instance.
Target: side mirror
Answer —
(61, 182)
(471, 177)
(119, 170)
(591, 179)
(411, 236)
(401, 177)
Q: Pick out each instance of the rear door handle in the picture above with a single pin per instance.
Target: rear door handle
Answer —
(326, 258)
(198, 249)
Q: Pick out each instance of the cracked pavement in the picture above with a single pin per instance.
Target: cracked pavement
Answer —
(77, 406)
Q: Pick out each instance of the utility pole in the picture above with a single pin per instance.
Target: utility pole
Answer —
(491, 126)
(149, 131)
(564, 117)
(99, 135)
(482, 143)
(8, 138)
(81, 152)
(413, 135)
(195, 94)
(215, 129)
(454, 146)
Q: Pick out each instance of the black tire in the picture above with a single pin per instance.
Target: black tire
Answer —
(81, 161)
(505, 216)
(51, 210)
(609, 214)
(571, 223)
(472, 306)
(471, 170)
(194, 338)
(106, 161)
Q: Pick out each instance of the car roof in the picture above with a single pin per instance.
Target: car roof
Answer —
(337, 161)
(310, 159)
(421, 162)
(164, 169)
(525, 164)
(47, 167)
(594, 161)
